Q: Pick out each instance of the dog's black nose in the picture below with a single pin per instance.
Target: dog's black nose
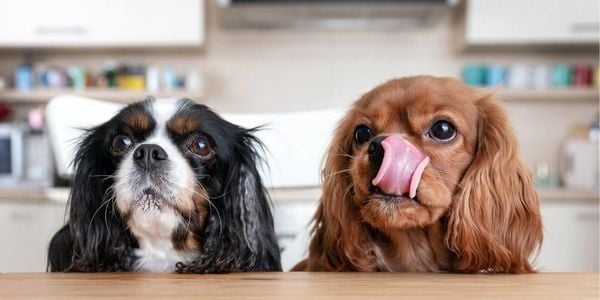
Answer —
(149, 154)
(375, 151)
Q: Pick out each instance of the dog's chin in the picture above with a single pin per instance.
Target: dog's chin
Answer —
(151, 196)
(389, 212)
(397, 201)
(151, 200)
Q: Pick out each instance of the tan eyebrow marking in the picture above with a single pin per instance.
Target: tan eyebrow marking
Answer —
(182, 125)
(139, 121)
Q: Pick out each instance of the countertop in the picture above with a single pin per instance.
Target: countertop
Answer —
(299, 285)
(61, 194)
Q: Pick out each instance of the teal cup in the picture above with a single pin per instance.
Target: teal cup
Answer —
(474, 74)
(561, 75)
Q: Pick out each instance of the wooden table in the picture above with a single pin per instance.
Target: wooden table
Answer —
(300, 286)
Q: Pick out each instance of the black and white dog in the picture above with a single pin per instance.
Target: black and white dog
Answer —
(166, 186)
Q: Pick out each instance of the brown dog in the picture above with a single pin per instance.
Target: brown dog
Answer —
(424, 174)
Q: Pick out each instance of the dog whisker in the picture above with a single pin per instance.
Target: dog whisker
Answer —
(337, 172)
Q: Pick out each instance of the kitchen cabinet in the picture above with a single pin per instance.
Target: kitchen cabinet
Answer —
(292, 218)
(570, 219)
(571, 231)
(101, 23)
(497, 22)
(570, 236)
(25, 232)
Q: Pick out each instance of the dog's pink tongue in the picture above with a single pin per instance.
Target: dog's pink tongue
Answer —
(401, 169)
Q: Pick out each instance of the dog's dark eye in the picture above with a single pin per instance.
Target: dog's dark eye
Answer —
(362, 134)
(201, 147)
(120, 144)
(442, 131)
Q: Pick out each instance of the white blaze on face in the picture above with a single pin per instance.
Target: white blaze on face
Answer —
(154, 227)
(179, 179)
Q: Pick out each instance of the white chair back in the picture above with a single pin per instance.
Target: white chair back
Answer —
(295, 142)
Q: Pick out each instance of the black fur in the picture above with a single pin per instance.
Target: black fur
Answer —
(237, 237)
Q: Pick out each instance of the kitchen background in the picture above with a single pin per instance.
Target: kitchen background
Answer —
(290, 57)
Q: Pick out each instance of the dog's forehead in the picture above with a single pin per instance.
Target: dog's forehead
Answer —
(145, 115)
(172, 114)
(419, 101)
(163, 110)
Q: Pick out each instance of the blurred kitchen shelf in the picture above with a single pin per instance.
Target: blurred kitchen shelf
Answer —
(55, 195)
(563, 194)
(114, 95)
(549, 95)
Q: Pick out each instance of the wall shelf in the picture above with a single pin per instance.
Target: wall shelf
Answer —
(564, 194)
(590, 95)
(114, 95)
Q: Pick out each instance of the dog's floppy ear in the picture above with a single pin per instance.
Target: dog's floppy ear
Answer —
(94, 238)
(337, 239)
(494, 223)
(239, 236)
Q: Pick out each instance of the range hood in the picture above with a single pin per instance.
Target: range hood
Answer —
(332, 14)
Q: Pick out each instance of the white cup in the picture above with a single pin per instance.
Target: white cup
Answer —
(519, 76)
(153, 79)
(541, 77)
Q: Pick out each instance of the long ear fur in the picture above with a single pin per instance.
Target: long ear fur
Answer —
(338, 241)
(494, 223)
(239, 236)
(94, 239)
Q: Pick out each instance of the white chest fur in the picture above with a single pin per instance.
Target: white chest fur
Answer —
(153, 230)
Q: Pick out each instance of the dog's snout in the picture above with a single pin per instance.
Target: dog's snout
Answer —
(149, 154)
(376, 151)
(401, 165)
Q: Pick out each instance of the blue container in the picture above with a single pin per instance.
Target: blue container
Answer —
(496, 75)
(77, 77)
(474, 74)
(561, 75)
(23, 77)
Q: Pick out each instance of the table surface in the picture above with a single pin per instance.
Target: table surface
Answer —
(299, 285)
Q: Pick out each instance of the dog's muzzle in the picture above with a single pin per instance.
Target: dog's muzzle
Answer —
(400, 163)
